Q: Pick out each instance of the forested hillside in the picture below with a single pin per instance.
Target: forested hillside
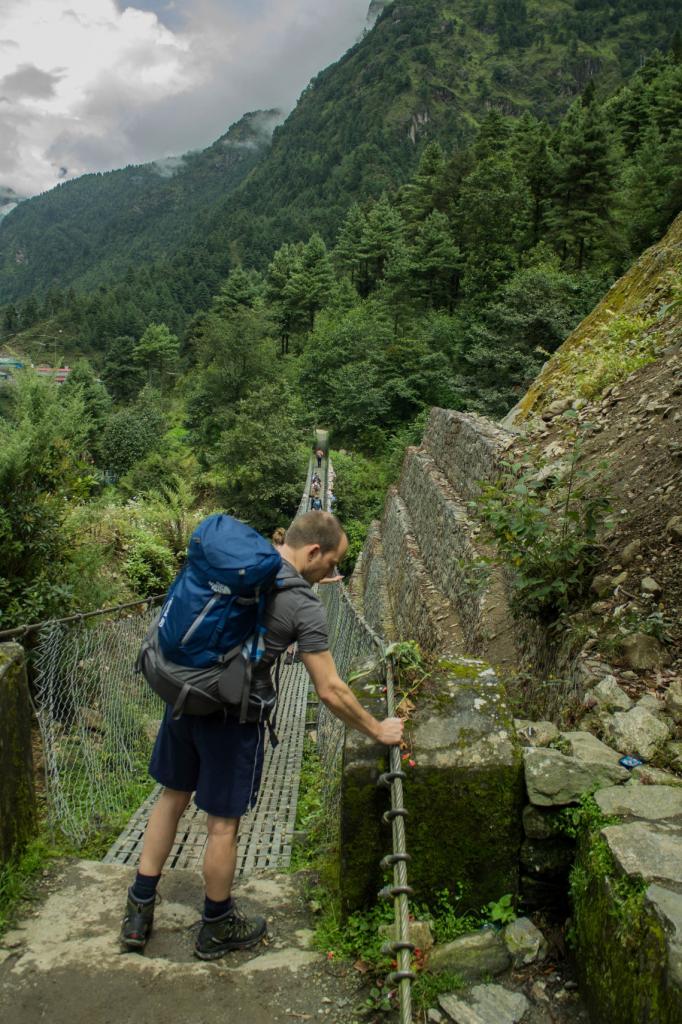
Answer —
(428, 71)
(92, 229)
(451, 288)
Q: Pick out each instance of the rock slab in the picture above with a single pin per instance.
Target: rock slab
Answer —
(555, 779)
(472, 956)
(651, 803)
(525, 942)
(486, 1004)
(650, 851)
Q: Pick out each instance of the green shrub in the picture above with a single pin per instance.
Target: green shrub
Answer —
(547, 540)
(150, 566)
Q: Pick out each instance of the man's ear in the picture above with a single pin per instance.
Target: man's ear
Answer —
(313, 551)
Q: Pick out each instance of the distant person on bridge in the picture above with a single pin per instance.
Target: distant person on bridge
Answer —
(320, 455)
(315, 503)
(220, 760)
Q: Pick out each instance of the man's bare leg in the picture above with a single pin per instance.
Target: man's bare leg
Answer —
(220, 859)
(161, 829)
(228, 929)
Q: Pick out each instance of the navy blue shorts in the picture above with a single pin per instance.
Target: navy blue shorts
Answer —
(214, 757)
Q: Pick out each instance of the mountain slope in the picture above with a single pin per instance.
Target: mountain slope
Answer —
(91, 229)
(427, 70)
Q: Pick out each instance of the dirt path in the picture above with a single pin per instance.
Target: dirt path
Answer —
(63, 963)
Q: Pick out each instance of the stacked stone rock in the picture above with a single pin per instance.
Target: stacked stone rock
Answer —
(421, 570)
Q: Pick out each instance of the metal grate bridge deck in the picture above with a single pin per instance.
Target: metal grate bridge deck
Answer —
(266, 834)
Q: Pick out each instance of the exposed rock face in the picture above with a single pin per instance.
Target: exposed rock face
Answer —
(651, 803)
(486, 1004)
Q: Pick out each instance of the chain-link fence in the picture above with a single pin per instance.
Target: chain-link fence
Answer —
(350, 640)
(97, 718)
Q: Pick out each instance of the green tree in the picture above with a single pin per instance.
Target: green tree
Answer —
(579, 215)
(259, 464)
(383, 233)
(42, 437)
(157, 354)
(122, 376)
(310, 285)
(132, 433)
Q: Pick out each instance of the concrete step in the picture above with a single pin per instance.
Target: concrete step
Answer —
(63, 963)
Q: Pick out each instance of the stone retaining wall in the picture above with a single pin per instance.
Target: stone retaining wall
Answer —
(17, 794)
(465, 447)
(418, 612)
(442, 529)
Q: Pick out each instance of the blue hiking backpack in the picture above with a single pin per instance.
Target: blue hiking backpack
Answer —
(201, 649)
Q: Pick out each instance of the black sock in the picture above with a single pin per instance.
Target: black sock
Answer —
(216, 908)
(144, 887)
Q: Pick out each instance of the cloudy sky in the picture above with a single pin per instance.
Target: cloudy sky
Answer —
(95, 84)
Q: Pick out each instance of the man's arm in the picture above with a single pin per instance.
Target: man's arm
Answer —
(341, 701)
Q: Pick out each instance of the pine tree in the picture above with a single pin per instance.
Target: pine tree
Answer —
(310, 285)
(494, 212)
(282, 268)
(157, 353)
(425, 193)
(346, 252)
(437, 263)
(383, 233)
(580, 212)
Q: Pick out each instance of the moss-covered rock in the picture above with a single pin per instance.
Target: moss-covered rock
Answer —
(464, 796)
(17, 794)
(622, 947)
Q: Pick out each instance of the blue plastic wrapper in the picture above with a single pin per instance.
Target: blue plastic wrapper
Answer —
(630, 762)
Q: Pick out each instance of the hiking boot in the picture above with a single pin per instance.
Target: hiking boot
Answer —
(233, 930)
(138, 921)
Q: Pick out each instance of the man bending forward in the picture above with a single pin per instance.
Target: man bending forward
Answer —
(220, 760)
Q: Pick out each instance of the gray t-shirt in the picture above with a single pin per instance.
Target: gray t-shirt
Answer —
(294, 614)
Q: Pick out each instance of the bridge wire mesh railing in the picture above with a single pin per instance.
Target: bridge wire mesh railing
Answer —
(351, 641)
(97, 718)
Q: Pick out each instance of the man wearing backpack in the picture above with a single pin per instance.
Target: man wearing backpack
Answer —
(220, 758)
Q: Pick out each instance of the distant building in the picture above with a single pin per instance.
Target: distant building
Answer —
(59, 375)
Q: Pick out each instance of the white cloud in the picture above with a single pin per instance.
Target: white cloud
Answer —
(93, 84)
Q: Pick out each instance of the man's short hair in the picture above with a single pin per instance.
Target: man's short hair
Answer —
(315, 528)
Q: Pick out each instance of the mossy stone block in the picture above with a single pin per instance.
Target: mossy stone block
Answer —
(465, 794)
(17, 793)
(621, 943)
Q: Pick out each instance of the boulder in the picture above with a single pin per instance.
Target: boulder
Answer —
(472, 956)
(557, 408)
(610, 695)
(650, 803)
(539, 824)
(535, 734)
(648, 850)
(647, 776)
(587, 748)
(643, 652)
(630, 552)
(525, 942)
(555, 779)
(673, 700)
(419, 933)
(485, 1004)
(637, 731)
(674, 527)
(650, 586)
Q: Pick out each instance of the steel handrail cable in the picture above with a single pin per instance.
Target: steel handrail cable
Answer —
(398, 859)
